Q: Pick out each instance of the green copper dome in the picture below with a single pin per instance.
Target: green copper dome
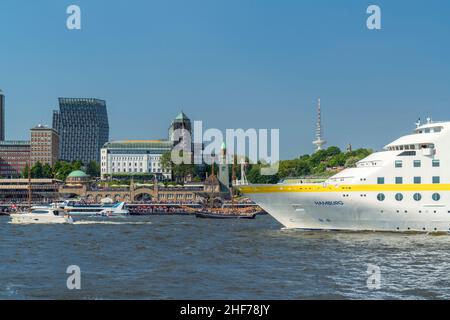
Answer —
(78, 174)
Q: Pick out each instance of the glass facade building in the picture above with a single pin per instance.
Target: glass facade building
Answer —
(83, 128)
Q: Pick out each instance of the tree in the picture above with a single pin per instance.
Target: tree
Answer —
(47, 171)
(166, 161)
(37, 171)
(25, 171)
(322, 163)
(62, 169)
(77, 165)
(181, 171)
(93, 169)
(351, 162)
(333, 151)
(254, 176)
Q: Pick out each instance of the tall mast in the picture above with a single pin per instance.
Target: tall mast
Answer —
(233, 181)
(131, 189)
(29, 184)
(243, 175)
(156, 187)
(212, 184)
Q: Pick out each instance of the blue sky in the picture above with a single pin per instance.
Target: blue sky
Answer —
(232, 64)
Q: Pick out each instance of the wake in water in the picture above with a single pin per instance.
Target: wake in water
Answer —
(109, 222)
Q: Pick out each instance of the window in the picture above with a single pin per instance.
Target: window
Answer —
(436, 197)
(436, 163)
(417, 197)
(399, 197)
(417, 180)
(398, 180)
(381, 197)
(39, 212)
(407, 154)
(380, 180)
(417, 163)
(398, 163)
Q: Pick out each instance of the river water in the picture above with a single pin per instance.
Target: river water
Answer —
(182, 257)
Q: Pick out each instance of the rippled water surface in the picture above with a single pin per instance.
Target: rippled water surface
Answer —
(185, 258)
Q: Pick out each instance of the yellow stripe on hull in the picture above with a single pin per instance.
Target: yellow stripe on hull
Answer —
(255, 189)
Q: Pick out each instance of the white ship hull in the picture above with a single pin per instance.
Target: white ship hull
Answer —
(28, 218)
(352, 211)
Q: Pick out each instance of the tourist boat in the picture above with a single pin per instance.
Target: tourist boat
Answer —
(79, 208)
(404, 188)
(41, 216)
(117, 210)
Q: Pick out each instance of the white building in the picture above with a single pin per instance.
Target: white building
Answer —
(133, 157)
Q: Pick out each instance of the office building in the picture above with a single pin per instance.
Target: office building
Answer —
(14, 156)
(44, 145)
(83, 128)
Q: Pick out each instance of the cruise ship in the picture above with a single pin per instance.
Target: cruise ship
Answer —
(403, 188)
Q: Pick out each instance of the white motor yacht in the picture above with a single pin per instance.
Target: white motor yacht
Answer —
(41, 216)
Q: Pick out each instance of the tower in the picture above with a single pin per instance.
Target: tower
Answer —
(224, 175)
(319, 142)
(181, 122)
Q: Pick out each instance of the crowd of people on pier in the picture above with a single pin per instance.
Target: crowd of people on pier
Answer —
(158, 209)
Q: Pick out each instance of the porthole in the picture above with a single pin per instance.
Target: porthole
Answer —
(417, 197)
(399, 197)
(436, 197)
(381, 197)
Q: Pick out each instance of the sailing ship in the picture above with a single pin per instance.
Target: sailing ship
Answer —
(231, 212)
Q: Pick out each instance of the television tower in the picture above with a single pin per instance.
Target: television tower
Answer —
(319, 142)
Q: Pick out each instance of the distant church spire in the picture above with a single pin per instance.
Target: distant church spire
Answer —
(319, 142)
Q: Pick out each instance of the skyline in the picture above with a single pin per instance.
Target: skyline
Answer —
(231, 64)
